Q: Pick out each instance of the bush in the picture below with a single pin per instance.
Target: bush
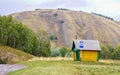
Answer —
(106, 51)
(44, 44)
(61, 22)
(109, 52)
(102, 16)
(53, 37)
(55, 52)
(116, 53)
(64, 51)
(55, 14)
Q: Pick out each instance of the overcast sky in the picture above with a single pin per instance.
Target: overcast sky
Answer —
(106, 7)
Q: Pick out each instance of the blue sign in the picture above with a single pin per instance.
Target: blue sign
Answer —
(81, 44)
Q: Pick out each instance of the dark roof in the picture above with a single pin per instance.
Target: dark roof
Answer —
(86, 45)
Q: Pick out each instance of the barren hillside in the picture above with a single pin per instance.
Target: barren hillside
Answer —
(66, 24)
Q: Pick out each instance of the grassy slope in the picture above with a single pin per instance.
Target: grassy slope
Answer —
(11, 55)
(68, 68)
(84, 25)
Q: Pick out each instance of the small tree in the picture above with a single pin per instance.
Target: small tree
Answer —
(55, 52)
(116, 53)
(44, 43)
(62, 22)
(53, 37)
(55, 14)
(106, 51)
(64, 51)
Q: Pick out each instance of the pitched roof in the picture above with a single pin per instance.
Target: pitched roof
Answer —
(86, 45)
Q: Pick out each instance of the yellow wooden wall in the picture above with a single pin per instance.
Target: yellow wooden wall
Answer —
(89, 55)
(74, 55)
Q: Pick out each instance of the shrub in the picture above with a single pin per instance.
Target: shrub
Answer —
(53, 37)
(44, 44)
(55, 52)
(116, 53)
(55, 14)
(64, 51)
(106, 51)
(61, 22)
(109, 52)
(102, 16)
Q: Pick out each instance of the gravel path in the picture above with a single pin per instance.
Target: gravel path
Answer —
(6, 68)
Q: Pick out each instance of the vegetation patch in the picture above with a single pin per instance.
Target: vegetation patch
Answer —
(10, 55)
(67, 68)
(17, 35)
(110, 52)
(63, 52)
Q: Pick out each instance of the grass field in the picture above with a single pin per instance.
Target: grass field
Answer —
(68, 67)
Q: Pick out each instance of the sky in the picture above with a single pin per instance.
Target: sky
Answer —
(106, 7)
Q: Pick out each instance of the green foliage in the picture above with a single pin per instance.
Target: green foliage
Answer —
(106, 51)
(102, 16)
(53, 37)
(60, 52)
(109, 52)
(64, 51)
(116, 53)
(55, 52)
(62, 22)
(44, 44)
(17, 35)
(62, 9)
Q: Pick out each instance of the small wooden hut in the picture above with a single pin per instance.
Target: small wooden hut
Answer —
(86, 50)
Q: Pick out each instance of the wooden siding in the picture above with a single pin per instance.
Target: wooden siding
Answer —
(88, 55)
(74, 56)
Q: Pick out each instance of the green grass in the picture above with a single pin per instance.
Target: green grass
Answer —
(68, 68)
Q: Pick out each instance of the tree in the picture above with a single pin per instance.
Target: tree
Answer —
(53, 37)
(116, 53)
(17, 35)
(106, 51)
(64, 51)
(55, 52)
(44, 43)
(61, 21)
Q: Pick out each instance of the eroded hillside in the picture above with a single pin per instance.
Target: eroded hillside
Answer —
(66, 24)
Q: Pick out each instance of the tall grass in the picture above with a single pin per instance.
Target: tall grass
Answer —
(68, 67)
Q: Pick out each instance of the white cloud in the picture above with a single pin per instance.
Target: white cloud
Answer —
(63, 4)
(106, 7)
(35, 2)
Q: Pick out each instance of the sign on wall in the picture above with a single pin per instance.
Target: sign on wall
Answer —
(81, 44)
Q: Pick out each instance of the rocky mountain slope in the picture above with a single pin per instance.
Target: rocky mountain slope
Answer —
(66, 25)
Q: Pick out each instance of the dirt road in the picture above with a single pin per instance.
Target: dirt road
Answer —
(6, 68)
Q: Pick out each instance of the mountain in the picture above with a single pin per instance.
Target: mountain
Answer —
(68, 25)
